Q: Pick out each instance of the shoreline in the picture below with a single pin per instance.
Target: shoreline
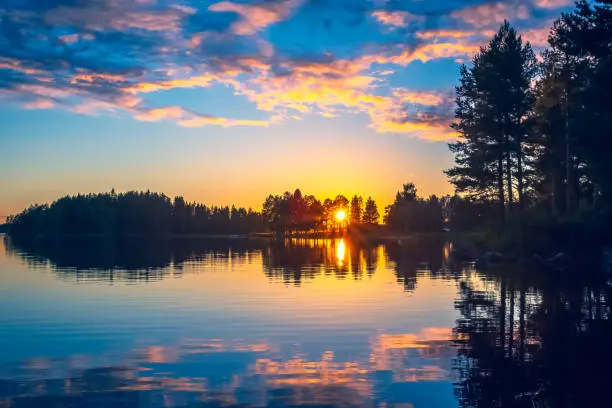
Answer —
(257, 235)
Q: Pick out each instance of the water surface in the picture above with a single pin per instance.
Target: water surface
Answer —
(197, 323)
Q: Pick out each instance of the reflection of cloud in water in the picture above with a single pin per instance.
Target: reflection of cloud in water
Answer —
(252, 373)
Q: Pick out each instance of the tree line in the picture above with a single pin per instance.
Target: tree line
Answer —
(132, 213)
(149, 213)
(535, 135)
(306, 213)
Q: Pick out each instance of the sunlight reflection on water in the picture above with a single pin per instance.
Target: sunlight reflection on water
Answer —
(304, 322)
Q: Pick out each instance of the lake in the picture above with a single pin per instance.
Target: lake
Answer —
(254, 323)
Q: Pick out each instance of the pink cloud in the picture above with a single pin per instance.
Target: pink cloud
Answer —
(553, 4)
(39, 104)
(116, 17)
(73, 38)
(256, 16)
(394, 18)
(188, 119)
(17, 66)
(156, 114)
(428, 52)
(420, 98)
(428, 34)
(491, 14)
(393, 116)
(93, 77)
(425, 130)
(200, 81)
(219, 121)
(48, 91)
(537, 37)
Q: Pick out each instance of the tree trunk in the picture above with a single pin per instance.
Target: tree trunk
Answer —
(522, 329)
(569, 182)
(519, 176)
(569, 160)
(500, 188)
(557, 188)
(511, 326)
(509, 182)
(502, 317)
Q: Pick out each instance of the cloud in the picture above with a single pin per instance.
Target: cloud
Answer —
(189, 119)
(223, 122)
(18, 66)
(426, 52)
(168, 112)
(442, 33)
(492, 14)
(306, 86)
(420, 97)
(290, 58)
(426, 115)
(256, 16)
(73, 38)
(113, 15)
(537, 37)
(39, 104)
(394, 18)
(432, 128)
(553, 4)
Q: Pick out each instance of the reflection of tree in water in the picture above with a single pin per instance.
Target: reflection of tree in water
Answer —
(417, 257)
(523, 343)
(294, 260)
(98, 259)
(291, 261)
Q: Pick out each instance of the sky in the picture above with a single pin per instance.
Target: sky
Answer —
(228, 101)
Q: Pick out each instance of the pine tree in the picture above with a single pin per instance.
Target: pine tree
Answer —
(583, 37)
(370, 214)
(356, 209)
(494, 99)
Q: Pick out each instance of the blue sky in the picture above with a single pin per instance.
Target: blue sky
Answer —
(228, 101)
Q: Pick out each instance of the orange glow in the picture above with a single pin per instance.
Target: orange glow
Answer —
(341, 215)
(340, 252)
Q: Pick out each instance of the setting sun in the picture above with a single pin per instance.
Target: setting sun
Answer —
(341, 215)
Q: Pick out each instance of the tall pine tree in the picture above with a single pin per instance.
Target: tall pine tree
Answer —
(494, 100)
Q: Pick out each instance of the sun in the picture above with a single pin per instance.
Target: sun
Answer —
(341, 215)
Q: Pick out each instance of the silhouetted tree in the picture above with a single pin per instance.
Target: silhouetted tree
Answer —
(370, 214)
(132, 213)
(409, 213)
(578, 69)
(494, 99)
(356, 209)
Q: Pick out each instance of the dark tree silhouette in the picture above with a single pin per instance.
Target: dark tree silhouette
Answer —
(493, 100)
(132, 213)
(356, 209)
(409, 213)
(370, 214)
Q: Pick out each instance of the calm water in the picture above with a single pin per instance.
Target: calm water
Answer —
(295, 323)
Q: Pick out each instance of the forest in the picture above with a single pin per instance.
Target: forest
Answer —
(155, 214)
(534, 131)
